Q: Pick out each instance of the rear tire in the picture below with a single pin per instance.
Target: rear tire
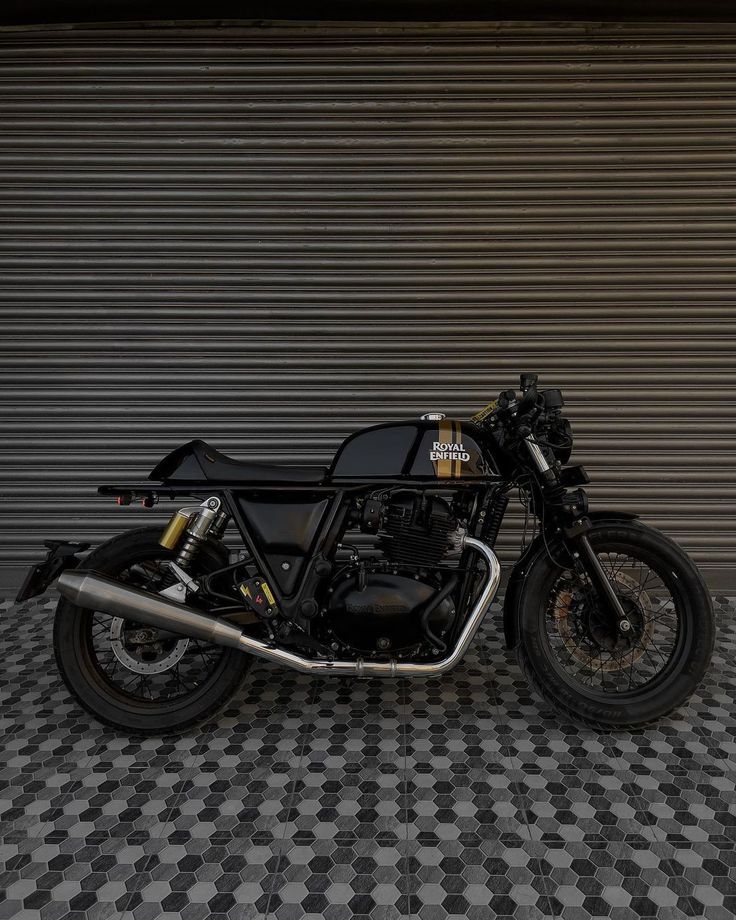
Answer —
(552, 648)
(91, 685)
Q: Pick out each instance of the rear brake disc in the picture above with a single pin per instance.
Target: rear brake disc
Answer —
(146, 656)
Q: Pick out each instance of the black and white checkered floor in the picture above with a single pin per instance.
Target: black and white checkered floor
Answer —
(456, 797)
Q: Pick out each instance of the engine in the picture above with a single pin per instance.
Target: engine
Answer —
(399, 602)
(417, 530)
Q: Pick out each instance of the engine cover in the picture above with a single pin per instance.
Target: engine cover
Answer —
(384, 616)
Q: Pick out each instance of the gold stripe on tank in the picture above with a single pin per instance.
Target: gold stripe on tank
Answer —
(444, 467)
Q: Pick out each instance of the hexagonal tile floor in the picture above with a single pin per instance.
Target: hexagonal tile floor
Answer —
(455, 797)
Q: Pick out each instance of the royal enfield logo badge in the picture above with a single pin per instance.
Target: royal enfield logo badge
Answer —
(448, 453)
(444, 450)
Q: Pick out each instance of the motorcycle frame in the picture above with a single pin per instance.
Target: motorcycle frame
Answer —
(557, 527)
(340, 493)
(551, 532)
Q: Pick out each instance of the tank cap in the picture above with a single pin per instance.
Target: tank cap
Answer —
(433, 416)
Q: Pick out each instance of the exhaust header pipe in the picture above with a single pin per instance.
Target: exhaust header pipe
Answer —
(96, 592)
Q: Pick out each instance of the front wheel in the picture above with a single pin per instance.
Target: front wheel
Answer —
(588, 669)
(128, 675)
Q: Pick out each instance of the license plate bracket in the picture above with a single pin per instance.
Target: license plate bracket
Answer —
(62, 555)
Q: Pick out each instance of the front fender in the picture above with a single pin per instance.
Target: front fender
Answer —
(524, 564)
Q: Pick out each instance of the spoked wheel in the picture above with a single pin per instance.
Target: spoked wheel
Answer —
(597, 652)
(133, 676)
(618, 673)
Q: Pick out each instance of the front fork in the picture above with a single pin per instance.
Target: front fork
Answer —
(579, 545)
(601, 583)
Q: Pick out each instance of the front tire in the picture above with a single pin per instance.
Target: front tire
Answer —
(595, 675)
(97, 679)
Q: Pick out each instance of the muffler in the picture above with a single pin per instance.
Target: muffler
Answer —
(96, 592)
(88, 589)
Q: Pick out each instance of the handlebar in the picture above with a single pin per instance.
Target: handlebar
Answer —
(521, 417)
(530, 426)
(527, 402)
(531, 398)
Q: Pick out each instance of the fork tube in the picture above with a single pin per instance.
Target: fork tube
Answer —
(599, 579)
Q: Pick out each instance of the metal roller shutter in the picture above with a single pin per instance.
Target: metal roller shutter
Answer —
(270, 236)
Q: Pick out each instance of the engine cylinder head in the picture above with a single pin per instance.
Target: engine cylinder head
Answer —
(416, 531)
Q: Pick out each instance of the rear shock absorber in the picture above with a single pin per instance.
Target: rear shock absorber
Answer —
(192, 526)
(494, 518)
(197, 531)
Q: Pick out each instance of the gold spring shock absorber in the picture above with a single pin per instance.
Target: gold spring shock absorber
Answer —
(169, 539)
(194, 524)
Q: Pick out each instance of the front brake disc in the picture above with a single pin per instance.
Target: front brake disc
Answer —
(569, 609)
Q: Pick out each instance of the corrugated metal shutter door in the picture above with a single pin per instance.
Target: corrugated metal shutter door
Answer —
(270, 237)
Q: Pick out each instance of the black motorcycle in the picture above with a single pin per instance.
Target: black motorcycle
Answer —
(380, 566)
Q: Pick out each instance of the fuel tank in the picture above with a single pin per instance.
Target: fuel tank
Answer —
(423, 448)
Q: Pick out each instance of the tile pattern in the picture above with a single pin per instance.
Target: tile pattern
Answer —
(455, 797)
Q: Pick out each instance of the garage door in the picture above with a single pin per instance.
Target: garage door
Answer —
(268, 237)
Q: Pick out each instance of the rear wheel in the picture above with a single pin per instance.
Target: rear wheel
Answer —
(129, 675)
(593, 669)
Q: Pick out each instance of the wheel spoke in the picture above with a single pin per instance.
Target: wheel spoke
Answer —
(590, 648)
(135, 661)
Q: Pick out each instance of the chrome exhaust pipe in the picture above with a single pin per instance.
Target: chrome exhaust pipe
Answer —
(96, 592)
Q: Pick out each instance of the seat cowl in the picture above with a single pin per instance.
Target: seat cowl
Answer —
(199, 461)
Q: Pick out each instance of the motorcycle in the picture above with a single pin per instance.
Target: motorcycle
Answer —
(382, 565)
